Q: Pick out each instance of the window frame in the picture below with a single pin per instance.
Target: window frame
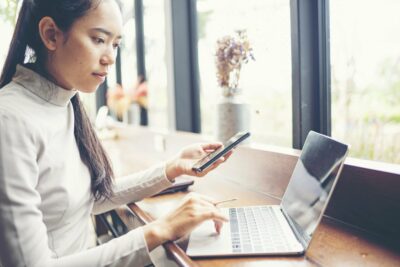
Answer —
(311, 71)
(186, 87)
(140, 53)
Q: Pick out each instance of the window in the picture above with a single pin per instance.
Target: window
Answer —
(128, 47)
(128, 64)
(265, 82)
(7, 12)
(365, 74)
(156, 66)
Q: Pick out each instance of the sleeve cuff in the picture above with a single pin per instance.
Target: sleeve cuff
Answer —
(165, 174)
(139, 246)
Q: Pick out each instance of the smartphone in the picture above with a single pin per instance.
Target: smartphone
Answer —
(208, 160)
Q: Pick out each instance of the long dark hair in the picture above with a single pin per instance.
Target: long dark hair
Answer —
(26, 34)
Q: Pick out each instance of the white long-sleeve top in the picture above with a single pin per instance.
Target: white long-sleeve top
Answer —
(45, 195)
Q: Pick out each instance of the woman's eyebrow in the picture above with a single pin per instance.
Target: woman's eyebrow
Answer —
(108, 33)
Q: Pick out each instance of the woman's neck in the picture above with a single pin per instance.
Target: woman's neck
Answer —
(41, 70)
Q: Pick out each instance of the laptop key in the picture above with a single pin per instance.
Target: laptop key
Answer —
(256, 229)
(247, 248)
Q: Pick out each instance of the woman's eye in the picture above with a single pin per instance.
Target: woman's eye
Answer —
(98, 40)
(116, 46)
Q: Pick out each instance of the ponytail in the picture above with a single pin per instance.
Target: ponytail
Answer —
(19, 42)
(92, 152)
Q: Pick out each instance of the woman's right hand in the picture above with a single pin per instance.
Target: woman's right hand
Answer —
(193, 210)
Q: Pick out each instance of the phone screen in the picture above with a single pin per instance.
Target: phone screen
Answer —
(208, 160)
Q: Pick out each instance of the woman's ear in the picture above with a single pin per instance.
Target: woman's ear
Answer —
(49, 33)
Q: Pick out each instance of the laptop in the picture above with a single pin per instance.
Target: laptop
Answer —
(285, 229)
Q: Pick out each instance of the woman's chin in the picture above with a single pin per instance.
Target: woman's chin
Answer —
(89, 89)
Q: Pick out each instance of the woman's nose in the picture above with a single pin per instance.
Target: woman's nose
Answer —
(108, 57)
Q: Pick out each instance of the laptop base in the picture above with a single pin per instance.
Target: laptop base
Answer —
(205, 242)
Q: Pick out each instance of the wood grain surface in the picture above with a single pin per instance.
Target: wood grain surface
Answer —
(362, 222)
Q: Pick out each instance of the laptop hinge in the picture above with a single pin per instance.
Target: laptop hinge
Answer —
(300, 237)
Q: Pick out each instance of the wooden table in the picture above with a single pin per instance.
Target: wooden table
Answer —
(336, 242)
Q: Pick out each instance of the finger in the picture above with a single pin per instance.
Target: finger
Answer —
(209, 169)
(189, 198)
(200, 199)
(208, 204)
(214, 165)
(211, 146)
(214, 214)
(227, 155)
(209, 211)
(205, 210)
(218, 226)
(199, 174)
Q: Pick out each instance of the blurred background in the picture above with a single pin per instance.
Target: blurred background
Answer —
(173, 43)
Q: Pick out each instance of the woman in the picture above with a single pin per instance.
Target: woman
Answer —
(53, 171)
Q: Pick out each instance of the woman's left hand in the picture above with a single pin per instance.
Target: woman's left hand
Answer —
(184, 161)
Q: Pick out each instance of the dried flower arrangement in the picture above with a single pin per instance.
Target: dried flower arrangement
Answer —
(119, 100)
(232, 52)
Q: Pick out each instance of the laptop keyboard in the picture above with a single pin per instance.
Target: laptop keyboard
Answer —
(256, 229)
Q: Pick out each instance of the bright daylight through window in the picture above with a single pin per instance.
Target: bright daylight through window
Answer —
(156, 65)
(266, 82)
(365, 58)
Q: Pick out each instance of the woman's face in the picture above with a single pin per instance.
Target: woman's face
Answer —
(84, 55)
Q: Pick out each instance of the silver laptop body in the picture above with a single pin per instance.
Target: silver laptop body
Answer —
(284, 229)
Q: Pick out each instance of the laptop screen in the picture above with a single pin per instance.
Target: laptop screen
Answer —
(312, 182)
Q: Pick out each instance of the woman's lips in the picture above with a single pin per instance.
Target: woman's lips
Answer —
(100, 75)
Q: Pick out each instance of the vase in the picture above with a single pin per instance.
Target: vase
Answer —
(233, 116)
(133, 114)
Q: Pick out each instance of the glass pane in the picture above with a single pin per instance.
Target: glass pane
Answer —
(128, 47)
(128, 53)
(156, 66)
(365, 58)
(8, 14)
(265, 82)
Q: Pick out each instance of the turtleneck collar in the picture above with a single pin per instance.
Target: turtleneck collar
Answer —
(42, 87)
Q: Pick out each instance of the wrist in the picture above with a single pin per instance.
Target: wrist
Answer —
(172, 170)
(155, 234)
